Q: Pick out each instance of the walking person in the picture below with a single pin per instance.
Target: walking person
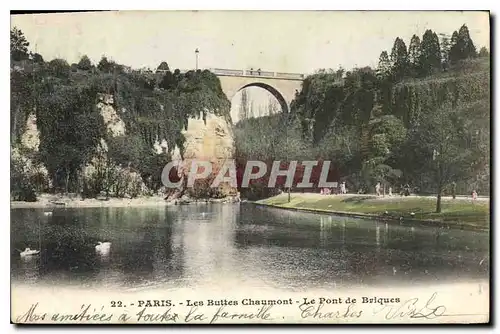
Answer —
(407, 190)
(454, 189)
(474, 195)
(377, 188)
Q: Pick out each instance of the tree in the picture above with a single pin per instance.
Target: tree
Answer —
(245, 109)
(453, 54)
(163, 67)
(384, 65)
(445, 50)
(168, 81)
(399, 59)
(414, 51)
(484, 52)
(467, 47)
(462, 46)
(430, 57)
(339, 74)
(385, 134)
(273, 106)
(85, 64)
(443, 152)
(18, 45)
(105, 65)
(59, 68)
(37, 58)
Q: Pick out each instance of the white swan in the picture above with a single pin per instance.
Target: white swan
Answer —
(47, 213)
(103, 247)
(29, 252)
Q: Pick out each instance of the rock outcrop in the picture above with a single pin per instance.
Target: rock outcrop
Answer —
(24, 167)
(209, 140)
(30, 139)
(113, 122)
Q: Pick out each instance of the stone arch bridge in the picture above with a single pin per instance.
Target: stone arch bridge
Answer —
(281, 85)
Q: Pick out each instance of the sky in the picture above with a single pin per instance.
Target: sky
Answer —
(285, 41)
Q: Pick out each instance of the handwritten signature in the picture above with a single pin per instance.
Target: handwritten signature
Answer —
(413, 310)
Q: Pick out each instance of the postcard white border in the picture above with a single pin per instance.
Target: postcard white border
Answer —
(200, 5)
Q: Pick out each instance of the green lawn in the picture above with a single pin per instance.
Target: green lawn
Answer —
(462, 211)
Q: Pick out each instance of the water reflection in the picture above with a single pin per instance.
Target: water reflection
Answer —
(245, 244)
(29, 269)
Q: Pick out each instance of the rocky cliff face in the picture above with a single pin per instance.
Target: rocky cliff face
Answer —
(113, 122)
(31, 136)
(25, 168)
(208, 140)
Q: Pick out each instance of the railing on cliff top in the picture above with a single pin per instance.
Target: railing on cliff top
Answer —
(258, 73)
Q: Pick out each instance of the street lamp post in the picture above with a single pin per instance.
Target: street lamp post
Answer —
(197, 52)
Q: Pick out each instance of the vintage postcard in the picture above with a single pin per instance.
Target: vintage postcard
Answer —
(250, 167)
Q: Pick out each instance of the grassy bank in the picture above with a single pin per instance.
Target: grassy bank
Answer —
(459, 211)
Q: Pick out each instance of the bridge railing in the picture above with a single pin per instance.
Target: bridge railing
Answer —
(257, 73)
(290, 75)
(224, 71)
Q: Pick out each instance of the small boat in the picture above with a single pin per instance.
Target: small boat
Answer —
(103, 247)
(58, 203)
(29, 252)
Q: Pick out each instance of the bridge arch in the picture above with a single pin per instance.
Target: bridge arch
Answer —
(282, 86)
(281, 99)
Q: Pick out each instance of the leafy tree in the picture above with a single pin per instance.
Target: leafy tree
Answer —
(384, 65)
(245, 107)
(484, 52)
(163, 67)
(70, 130)
(37, 58)
(168, 81)
(462, 45)
(386, 132)
(466, 45)
(414, 52)
(430, 57)
(85, 64)
(22, 186)
(273, 106)
(59, 68)
(445, 50)
(399, 59)
(442, 150)
(105, 65)
(127, 151)
(454, 52)
(18, 45)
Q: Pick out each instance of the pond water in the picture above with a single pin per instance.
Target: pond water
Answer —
(201, 245)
